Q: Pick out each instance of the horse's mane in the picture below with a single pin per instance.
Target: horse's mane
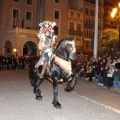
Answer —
(60, 49)
(63, 42)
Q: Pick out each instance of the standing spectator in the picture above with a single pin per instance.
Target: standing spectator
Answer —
(109, 61)
(109, 81)
(116, 77)
(102, 76)
(81, 72)
(78, 67)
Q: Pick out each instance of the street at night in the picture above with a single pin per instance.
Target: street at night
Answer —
(86, 102)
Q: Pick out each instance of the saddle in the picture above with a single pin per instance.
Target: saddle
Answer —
(64, 64)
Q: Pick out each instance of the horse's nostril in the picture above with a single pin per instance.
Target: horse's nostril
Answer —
(73, 56)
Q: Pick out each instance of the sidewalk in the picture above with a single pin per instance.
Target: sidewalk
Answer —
(98, 93)
(17, 101)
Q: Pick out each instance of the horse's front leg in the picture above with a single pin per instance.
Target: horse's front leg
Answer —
(55, 93)
(70, 85)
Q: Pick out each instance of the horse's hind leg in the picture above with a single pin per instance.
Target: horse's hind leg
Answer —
(37, 91)
(55, 92)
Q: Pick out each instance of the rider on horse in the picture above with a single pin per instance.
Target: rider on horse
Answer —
(46, 46)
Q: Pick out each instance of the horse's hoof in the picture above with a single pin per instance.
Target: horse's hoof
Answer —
(57, 105)
(39, 97)
(68, 88)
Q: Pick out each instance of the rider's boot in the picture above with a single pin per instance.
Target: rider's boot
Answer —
(43, 70)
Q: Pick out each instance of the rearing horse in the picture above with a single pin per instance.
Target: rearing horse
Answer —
(54, 72)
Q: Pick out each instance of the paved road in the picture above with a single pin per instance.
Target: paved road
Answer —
(86, 102)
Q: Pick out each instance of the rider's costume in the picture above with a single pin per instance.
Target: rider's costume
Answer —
(46, 43)
(46, 47)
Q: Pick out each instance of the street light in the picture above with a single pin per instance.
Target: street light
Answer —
(116, 16)
(15, 51)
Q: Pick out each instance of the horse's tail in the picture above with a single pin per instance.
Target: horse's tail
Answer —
(32, 72)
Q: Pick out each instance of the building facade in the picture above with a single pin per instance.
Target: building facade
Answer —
(19, 24)
(89, 23)
(87, 8)
(75, 28)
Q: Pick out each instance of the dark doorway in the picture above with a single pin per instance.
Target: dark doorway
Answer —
(25, 50)
(8, 48)
(30, 49)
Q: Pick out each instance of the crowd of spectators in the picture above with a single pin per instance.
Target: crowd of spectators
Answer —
(105, 70)
(13, 62)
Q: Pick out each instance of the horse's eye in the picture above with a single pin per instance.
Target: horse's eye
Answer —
(71, 48)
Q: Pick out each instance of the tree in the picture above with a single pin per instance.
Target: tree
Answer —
(108, 42)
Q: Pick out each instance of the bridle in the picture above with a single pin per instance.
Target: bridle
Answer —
(73, 49)
(66, 50)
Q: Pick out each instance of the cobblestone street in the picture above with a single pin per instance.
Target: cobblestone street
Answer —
(86, 102)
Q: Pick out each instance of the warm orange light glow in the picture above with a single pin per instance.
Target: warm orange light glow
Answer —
(114, 10)
(112, 15)
(14, 50)
(119, 4)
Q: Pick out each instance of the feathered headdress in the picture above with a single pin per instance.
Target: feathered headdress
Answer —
(46, 33)
(46, 29)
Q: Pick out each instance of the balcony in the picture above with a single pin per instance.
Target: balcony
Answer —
(89, 26)
(73, 32)
(24, 32)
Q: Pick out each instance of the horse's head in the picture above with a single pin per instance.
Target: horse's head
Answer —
(66, 49)
(70, 49)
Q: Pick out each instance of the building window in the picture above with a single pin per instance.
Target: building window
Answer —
(71, 25)
(92, 34)
(57, 1)
(87, 10)
(28, 27)
(8, 50)
(15, 18)
(78, 42)
(16, 0)
(78, 27)
(78, 15)
(71, 14)
(92, 1)
(92, 13)
(29, 2)
(56, 30)
(89, 21)
(86, 21)
(87, 0)
(28, 15)
(56, 14)
(87, 44)
(15, 13)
